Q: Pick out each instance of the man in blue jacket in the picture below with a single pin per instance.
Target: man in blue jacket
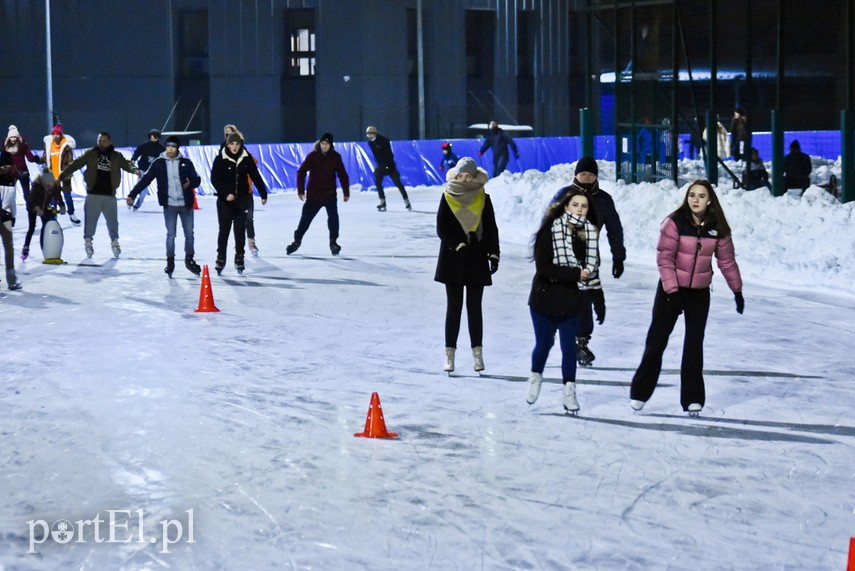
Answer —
(176, 180)
(499, 141)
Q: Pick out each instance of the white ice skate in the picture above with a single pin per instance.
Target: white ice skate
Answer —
(571, 405)
(534, 382)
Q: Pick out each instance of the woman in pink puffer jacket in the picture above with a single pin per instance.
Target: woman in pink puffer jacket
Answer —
(688, 239)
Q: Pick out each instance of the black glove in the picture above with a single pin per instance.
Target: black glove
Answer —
(494, 264)
(740, 302)
(617, 268)
(599, 302)
(674, 302)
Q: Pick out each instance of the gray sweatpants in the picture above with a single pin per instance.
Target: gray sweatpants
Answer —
(93, 208)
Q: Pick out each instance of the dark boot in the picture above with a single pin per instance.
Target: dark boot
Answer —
(220, 264)
(334, 247)
(584, 356)
(191, 265)
(239, 263)
(170, 266)
(292, 247)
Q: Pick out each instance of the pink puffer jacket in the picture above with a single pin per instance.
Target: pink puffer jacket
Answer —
(684, 256)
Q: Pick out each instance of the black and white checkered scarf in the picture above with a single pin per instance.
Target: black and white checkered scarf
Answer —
(563, 229)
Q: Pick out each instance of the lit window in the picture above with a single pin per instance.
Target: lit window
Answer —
(303, 52)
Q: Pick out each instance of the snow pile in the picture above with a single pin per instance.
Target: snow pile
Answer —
(790, 240)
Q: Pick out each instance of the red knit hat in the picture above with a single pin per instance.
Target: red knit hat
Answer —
(57, 129)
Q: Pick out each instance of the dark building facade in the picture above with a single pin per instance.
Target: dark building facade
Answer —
(287, 70)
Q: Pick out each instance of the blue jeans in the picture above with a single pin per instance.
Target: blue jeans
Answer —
(544, 339)
(310, 210)
(171, 214)
(140, 197)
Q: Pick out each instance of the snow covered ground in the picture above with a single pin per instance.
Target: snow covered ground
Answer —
(117, 396)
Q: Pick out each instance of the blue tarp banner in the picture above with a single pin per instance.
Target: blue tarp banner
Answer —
(418, 161)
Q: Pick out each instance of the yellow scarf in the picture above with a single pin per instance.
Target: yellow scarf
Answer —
(467, 204)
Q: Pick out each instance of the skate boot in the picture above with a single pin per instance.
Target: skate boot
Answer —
(478, 358)
(694, 409)
(382, 206)
(74, 220)
(25, 253)
(636, 404)
(87, 244)
(191, 265)
(292, 247)
(408, 205)
(170, 266)
(334, 248)
(449, 359)
(534, 382)
(12, 280)
(116, 249)
(239, 263)
(220, 264)
(253, 249)
(571, 405)
(584, 356)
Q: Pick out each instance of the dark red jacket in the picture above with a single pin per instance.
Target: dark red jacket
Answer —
(323, 169)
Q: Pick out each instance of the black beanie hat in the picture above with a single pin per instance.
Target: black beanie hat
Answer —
(173, 140)
(587, 164)
(234, 138)
(327, 137)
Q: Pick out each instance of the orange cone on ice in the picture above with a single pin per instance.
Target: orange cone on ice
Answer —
(375, 426)
(206, 294)
(195, 202)
(851, 566)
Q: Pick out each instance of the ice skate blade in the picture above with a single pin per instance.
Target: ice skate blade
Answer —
(569, 412)
(694, 414)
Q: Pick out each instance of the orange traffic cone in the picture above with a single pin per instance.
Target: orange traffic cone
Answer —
(206, 295)
(375, 426)
(195, 202)
(851, 566)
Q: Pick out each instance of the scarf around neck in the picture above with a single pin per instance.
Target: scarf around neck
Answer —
(563, 229)
(466, 200)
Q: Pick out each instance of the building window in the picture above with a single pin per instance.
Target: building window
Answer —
(303, 52)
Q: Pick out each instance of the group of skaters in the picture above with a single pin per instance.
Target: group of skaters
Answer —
(566, 291)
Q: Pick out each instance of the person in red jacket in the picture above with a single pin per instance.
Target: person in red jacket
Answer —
(688, 240)
(324, 163)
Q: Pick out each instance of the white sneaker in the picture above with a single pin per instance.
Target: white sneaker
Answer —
(534, 382)
(116, 249)
(636, 404)
(449, 359)
(570, 402)
(478, 358)
(90, 251)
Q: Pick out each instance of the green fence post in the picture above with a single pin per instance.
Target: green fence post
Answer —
(586, 128)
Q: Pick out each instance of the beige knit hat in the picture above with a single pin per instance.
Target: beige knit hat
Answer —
(13, 132)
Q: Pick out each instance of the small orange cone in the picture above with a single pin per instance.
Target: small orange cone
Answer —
(851, 566)
(195, 202)
(206, 294)
(375, 426)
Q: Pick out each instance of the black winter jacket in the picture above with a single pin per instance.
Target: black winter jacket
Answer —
(157, 171)
(470, 265)
(381, 148)
(229, 176)
(554, 289)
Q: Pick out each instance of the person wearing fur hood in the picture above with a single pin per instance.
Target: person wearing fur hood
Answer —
(322, 165)
(59, 153)
(231, 172)
(468, 253)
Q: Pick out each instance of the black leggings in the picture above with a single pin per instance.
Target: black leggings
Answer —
(454, 309)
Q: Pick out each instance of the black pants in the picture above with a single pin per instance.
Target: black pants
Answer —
(380, 173)
(454, 309)
(228, 214)
(586, 314)
(500, 163)
(696, 308)
(310, 210)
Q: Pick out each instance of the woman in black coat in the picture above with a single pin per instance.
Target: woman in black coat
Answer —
(229, 175)
(468, 253)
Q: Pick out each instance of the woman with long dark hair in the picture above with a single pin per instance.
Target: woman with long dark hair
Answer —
(565, 256)
(688, 240)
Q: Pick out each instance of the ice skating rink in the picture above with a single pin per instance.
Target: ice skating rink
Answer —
(236, 428)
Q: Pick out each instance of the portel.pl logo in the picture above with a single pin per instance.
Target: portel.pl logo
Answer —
(114, 528)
